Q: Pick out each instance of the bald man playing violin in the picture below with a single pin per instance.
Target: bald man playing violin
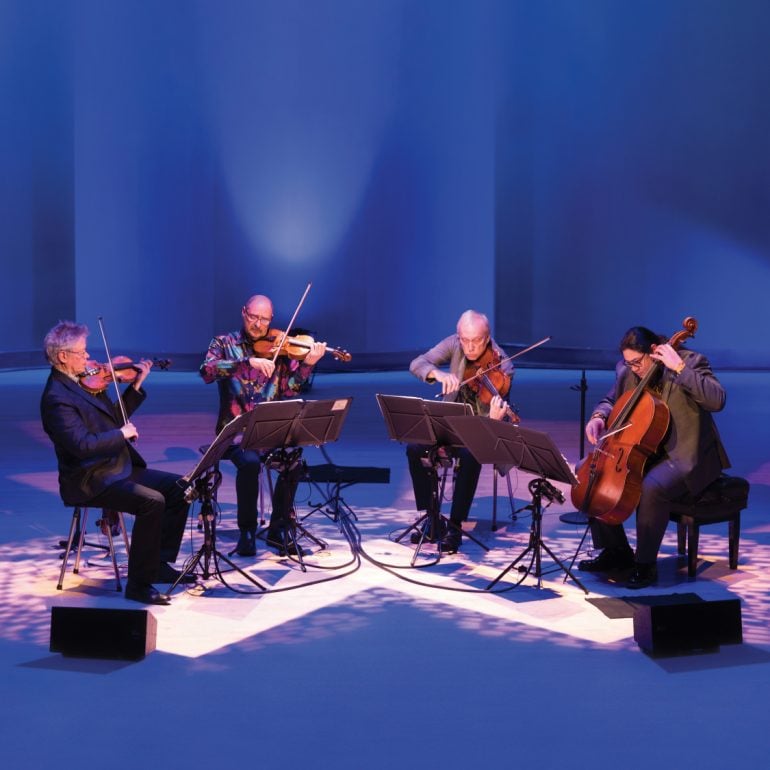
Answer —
(99, 468)
(458, 351)
(245, 380)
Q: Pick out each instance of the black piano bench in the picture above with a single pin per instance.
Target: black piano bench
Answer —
(723, 500)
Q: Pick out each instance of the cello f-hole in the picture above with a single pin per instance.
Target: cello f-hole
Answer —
(618, 468)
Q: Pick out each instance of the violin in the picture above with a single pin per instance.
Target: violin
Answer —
(295, 347)
(97, 377)
(484, 379)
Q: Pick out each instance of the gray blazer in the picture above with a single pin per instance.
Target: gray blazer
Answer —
(450, 351)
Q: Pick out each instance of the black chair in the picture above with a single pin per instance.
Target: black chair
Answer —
(722, 501)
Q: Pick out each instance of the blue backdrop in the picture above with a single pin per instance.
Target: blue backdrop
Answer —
(571, 168)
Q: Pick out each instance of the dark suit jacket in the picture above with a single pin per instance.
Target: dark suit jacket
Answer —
(85, 431)
(692, 442)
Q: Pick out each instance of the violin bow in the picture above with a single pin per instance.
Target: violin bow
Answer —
(500, 363)
(291, 323)
(515, 355)
(122, 406)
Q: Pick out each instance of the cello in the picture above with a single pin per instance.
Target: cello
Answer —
(610, 479)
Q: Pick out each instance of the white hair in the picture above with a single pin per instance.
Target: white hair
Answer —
(64, 334)
(472, 318)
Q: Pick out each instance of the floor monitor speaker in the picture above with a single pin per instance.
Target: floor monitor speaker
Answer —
(688, 626)
(87, 632)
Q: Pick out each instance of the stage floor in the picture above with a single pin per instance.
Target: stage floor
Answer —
(364, 660)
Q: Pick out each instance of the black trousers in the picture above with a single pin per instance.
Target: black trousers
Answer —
(157, 502)
(424, 482)
(661, 486)
(248, 464)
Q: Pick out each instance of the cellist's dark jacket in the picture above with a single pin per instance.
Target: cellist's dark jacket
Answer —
(85, 431)
(692, 442)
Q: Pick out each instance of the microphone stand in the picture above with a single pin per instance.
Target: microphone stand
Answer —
(578, 517)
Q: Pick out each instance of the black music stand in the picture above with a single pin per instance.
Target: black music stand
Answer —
(202, 483)
(419, 421)
(501, 443)
(279, 429)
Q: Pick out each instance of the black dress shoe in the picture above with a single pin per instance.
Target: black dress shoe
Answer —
(275, 540)
(439, 530)
(608, 560)
(452, 542)
(145, 593)
(247, 544)
(167, 574)
(643, 575)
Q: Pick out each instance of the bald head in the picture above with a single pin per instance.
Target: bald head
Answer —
(257, 314)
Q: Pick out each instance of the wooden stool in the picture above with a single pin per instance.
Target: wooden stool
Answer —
(78, 529)
(723, 500)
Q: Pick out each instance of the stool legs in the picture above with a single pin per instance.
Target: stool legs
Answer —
(78, 526)
(681, 538)
(81, 538)
(688, 537)
(693, 532)
(74, 527)
(734, 536)
(114, 559)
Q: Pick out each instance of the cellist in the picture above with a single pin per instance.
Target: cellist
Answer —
(470, 347)
(688, 459)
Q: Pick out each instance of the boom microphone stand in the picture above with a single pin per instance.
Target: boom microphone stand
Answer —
(578, 517)
(539, 488)
(202, 484)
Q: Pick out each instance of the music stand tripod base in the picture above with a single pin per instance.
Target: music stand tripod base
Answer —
(501, 443)
(205, 486)
(201, 483)
(281, 429)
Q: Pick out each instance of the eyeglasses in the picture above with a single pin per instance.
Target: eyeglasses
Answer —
(81, 353)
(251, 318)
(634, 363)
(473, 342)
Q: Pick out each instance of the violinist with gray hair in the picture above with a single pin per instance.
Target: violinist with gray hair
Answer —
(99, 468)
(471, 341)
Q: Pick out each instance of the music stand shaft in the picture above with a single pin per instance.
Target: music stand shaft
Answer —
(418, 421)
(206, 486)
(282, 428)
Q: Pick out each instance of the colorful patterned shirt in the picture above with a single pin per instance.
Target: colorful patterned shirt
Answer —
(241, 388)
